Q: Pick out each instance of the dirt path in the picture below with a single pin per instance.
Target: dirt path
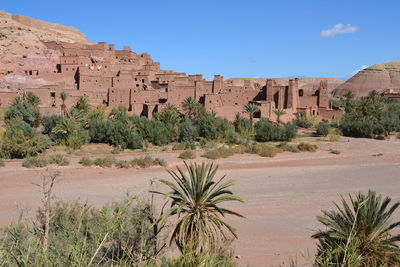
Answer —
(283, 194)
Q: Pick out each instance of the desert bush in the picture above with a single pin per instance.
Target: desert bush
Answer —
(179, 146)
(148, 161)
(264, 150)
(35, 162)
(302, 122)
(123, 164)
(323, 129)
(81, 235)
(21, 140)
(117, 150)
(307, 147)
(187, 154)
(266, 131)
(334, 134)
(2, 162)
(289, 148)
(188, 131)
(159, 162)
(87, 162)
(221, 152)
(334, 151)
(104, 162)
(59, 160)
(77, 139)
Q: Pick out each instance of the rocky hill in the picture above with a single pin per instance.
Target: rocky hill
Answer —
(22, 47)
(378, 77)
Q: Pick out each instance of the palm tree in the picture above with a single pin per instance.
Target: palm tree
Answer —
(63, 96)
(251, 108)
(279, 112)
(195, 197)
(192, 108)
(83, 104)
(359, 233)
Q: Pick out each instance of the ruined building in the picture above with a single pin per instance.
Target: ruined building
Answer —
(123, 78)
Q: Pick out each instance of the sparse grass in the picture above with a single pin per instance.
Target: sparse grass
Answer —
(183, 146)
(377, 155)
(336, 152)
(125, 164)
(2, 163)
(265, 150)
(307, 147)
(187, 154)
(334, 134)
(35, 162)
(147, 161)
(59, 160)
(288, 148)
(117, 150)
(87, 162)
(104, 162)
(221, 152)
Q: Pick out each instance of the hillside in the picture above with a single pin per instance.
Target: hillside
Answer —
(377, 77)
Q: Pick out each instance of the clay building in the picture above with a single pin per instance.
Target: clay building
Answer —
(123, 78)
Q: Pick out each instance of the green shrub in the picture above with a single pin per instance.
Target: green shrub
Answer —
(187, 154)
(221, 152)
(160, 162)
(99, 129)
(25, 109)
(35, 162)
(302, 122)
(116, 234)
(266, 131)
(124, 133)
(307, 147)
(104, 162)
(323, 129)
(214, 128)
(2, 162)
(59, 160)
(123, 164)
(22, 143)
(188, 131)
(334, 151)
(87, 162)
(77, 139)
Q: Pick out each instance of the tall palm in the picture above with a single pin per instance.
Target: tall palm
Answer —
(195, 198)
(360, 233)
(83, 104)
(192, 107)
(63, 96)
(279, 112)
(251, 108)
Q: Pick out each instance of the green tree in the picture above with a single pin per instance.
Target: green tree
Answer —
(195, 204)
(250, 109)
(192, 108)
(63, 97)
(25, 108)
(279, 112)
(359, 233)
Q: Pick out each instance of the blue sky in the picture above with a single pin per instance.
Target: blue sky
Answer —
(252, 38)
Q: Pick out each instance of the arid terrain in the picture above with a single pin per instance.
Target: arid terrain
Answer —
(283, 194)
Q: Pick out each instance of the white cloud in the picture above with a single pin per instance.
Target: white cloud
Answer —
(339, 29)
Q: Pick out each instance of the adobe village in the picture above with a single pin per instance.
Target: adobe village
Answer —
(108, 159)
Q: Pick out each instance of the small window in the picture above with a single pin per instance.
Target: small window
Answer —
(301, 92)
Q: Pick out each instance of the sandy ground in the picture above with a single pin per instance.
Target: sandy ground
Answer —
(283, 194)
